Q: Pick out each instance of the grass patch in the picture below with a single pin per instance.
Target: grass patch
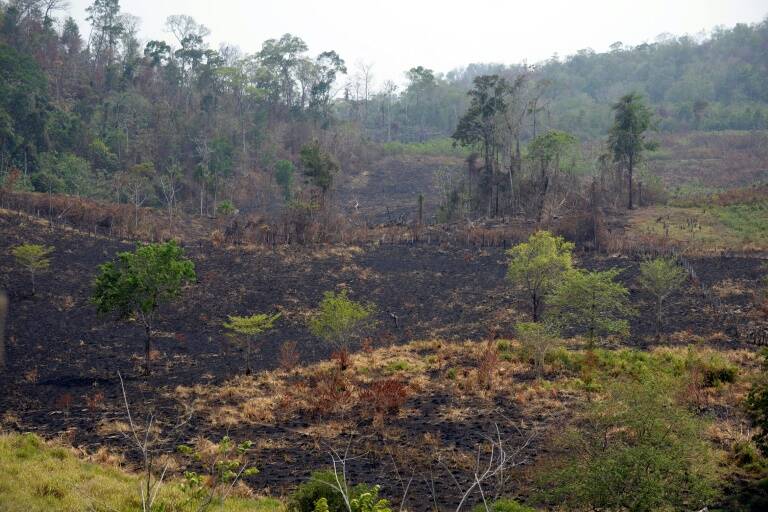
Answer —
(432, 147)
(37, 476)
(711, 228)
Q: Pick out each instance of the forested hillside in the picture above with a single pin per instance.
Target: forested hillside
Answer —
(118, 117)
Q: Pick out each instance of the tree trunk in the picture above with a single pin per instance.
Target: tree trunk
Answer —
(658, 320)
(631, 165)
(535, 304)
(3, 312)
(248, 358)
(147, 350)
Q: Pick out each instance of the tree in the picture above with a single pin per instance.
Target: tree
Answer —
(590, 301)
(284, 176)
(33, 258)
(104, 16)
(318, 165)
(338, 318)
(548, 151)
(636, 450)
(661, 278)
(626, 138)
(251, 327)
(481, 124)
(138, 282)
(536, 265)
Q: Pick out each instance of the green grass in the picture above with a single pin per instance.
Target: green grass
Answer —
(747, 221)
(742, 226)
(432, 147)
(398, 366)
(36, 476)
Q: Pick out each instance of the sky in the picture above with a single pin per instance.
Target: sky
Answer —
(396, 35)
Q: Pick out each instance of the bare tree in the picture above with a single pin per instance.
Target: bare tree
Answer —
(169, 187)
(183, 26)
(147, 441)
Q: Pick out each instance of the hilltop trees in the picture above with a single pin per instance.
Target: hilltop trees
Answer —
(536, 265)
(251, 327)
(138, 282)
(626, 139)
(33, 258)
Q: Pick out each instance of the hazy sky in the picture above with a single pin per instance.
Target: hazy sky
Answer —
(396, 35)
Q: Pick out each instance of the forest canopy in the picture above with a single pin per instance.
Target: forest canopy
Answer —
(76, 114)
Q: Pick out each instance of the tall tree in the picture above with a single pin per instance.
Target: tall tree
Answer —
(482, 122)
(627, 137)
(104, 16)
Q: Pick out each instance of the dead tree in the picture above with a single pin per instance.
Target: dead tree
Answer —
(147, 441)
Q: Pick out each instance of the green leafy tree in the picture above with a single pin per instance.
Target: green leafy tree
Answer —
(138, 282)
(635, 450)
(627, 137)
(34, 258)
(591, 302)
(318, 166)
(284, 171)
(481, 123)
(338, 319)
(251, 327)
(536, 265)
(661, 277)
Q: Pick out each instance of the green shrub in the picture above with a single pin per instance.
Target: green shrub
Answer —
(225, 208)
(590, 302)
(397, 366)
(757, 405)
(338, 318)
(748, 456)
(503, 505)
(537, 340)
(714, 369)
(637, 449)
(324, 485)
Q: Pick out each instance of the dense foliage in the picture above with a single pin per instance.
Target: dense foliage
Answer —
(75, 115)
(638, 450)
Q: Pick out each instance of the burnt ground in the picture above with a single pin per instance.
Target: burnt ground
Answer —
(400, 179)
(59, 351)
